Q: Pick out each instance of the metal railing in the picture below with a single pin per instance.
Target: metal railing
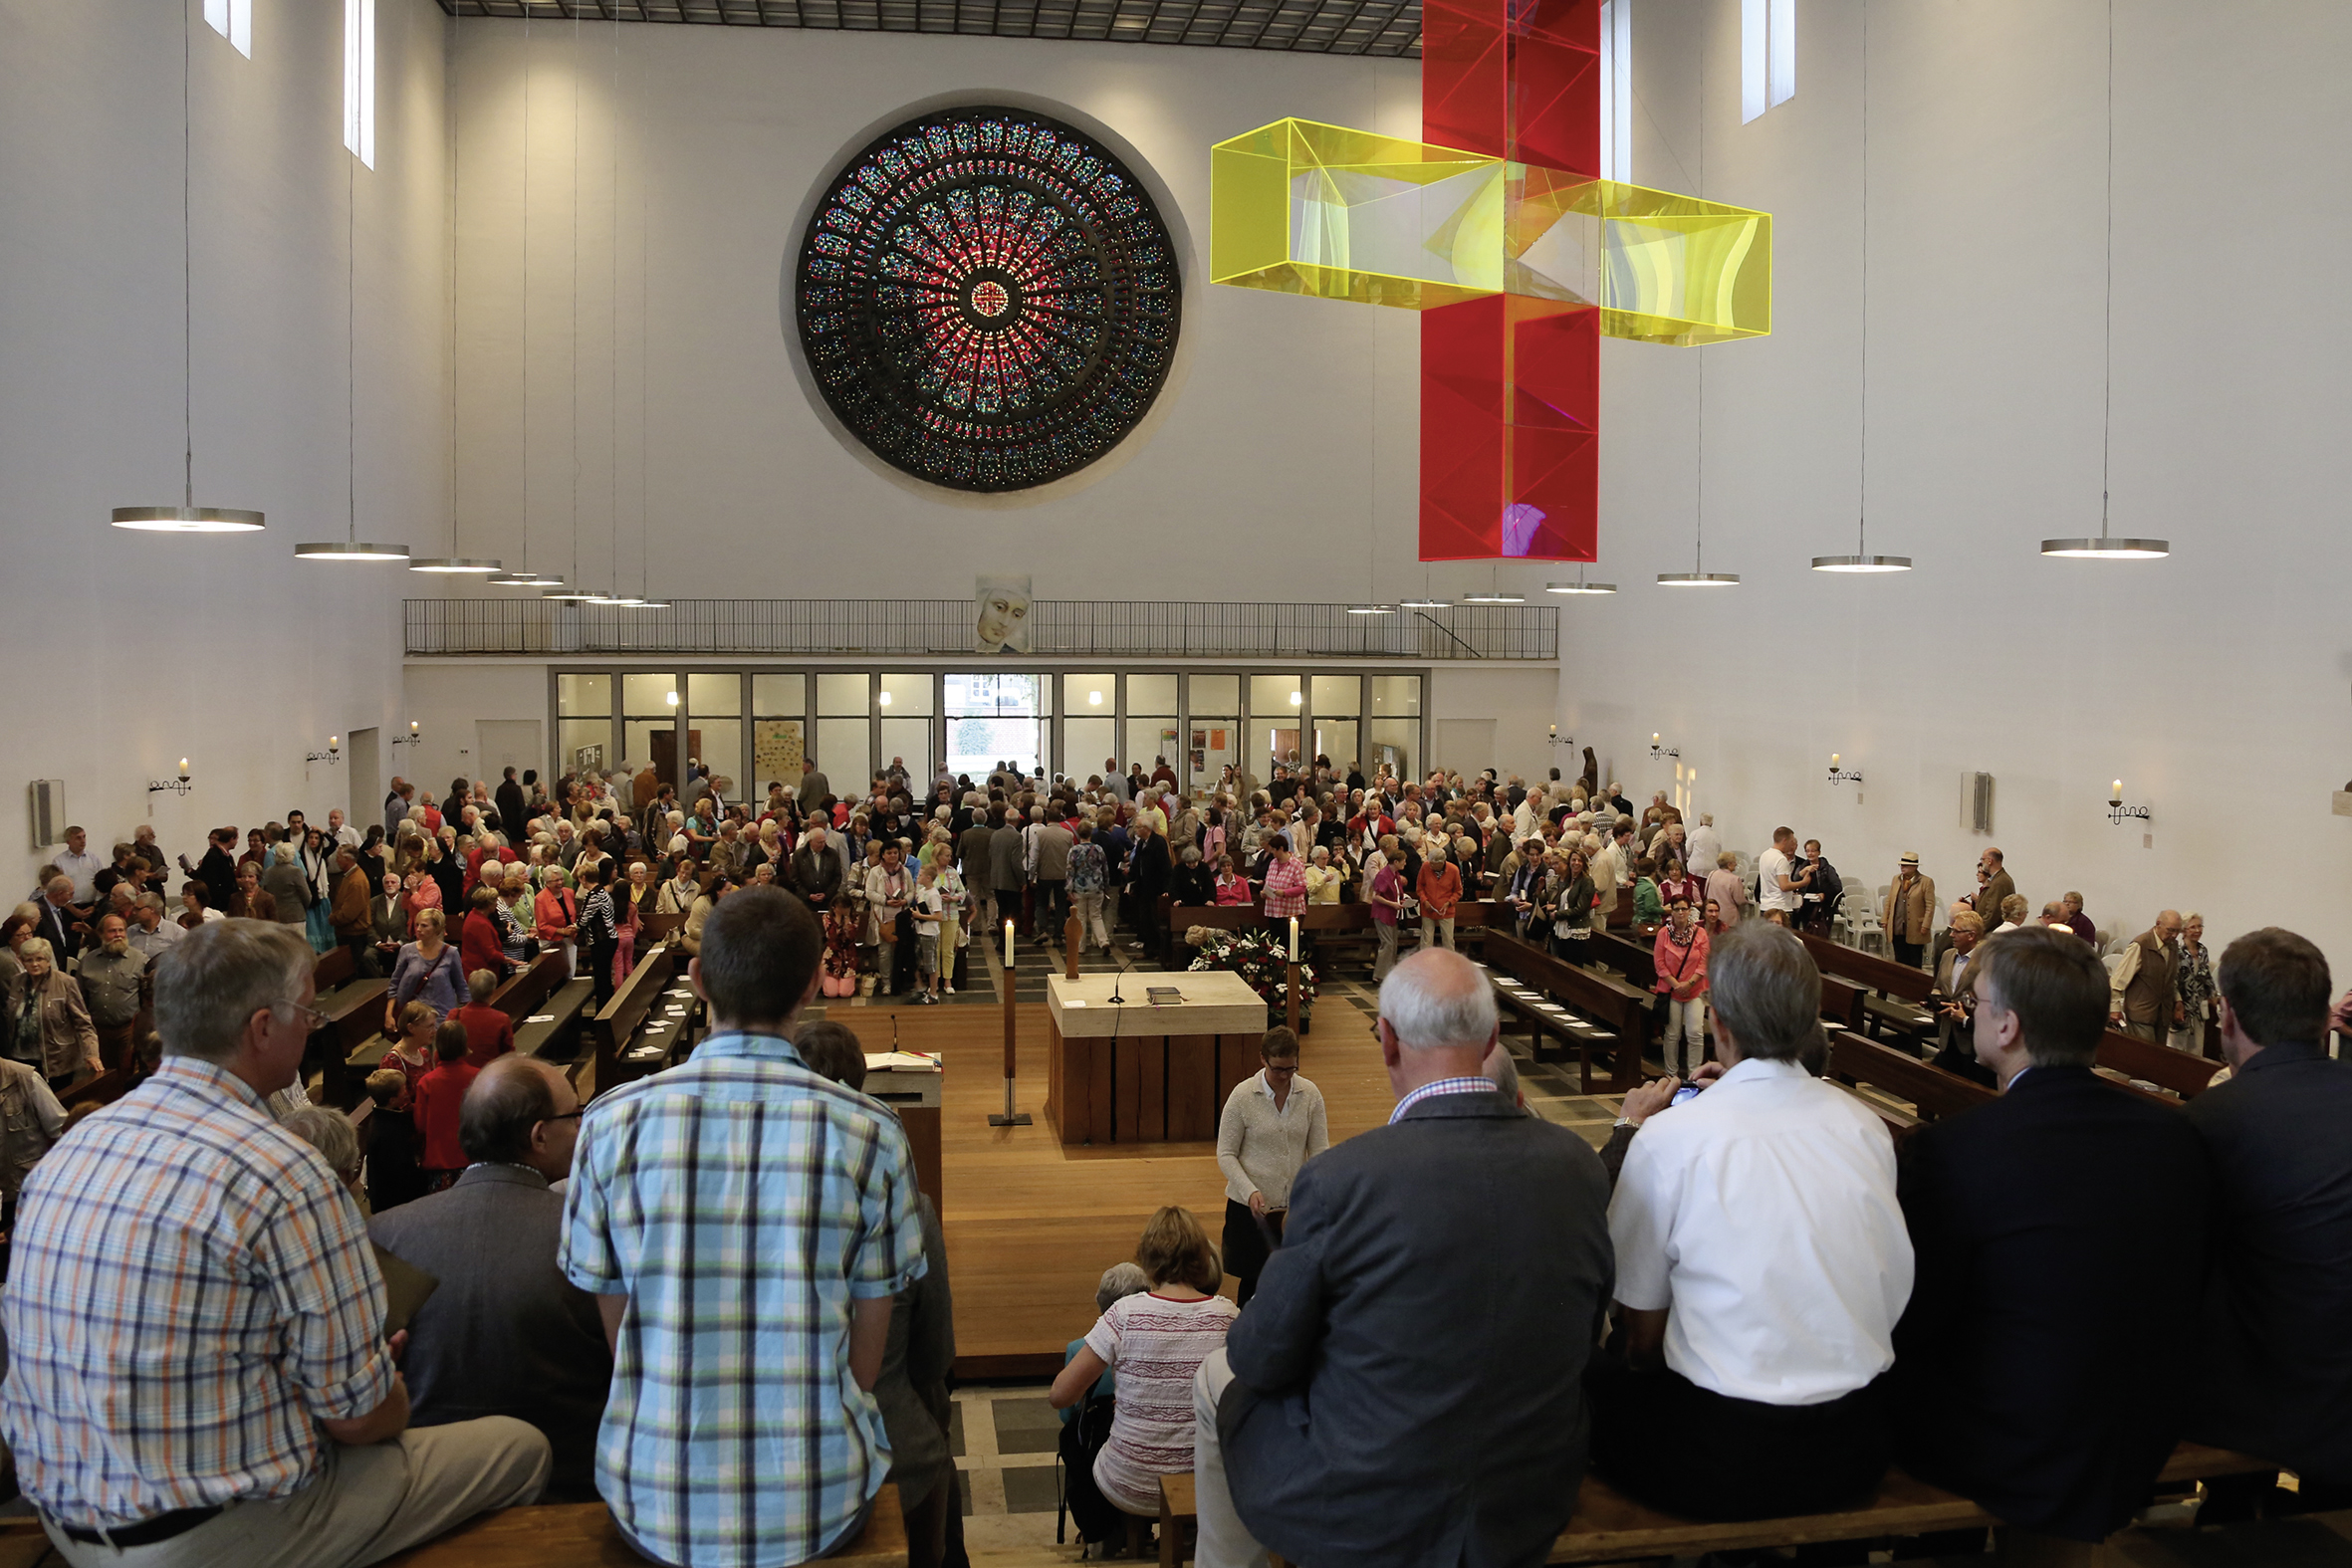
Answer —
(1058, 628)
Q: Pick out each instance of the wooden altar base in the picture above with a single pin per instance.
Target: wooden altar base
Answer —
(1032, 1224)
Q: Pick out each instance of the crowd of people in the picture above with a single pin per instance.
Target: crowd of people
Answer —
(715, 1299)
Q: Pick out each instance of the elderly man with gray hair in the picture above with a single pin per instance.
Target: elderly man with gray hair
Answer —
(271, 1425)
(1406, 1386)
(1762, 1264)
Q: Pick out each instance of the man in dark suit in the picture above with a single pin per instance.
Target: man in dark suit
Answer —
(1405, 1386)
(1952, 1001)
(2277, 1368)
(2060, 1233)
(505, 1333)
(510, 807)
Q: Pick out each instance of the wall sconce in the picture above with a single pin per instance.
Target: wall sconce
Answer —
(414, 736)
(180, 785)
(332, 754)
(1559, 738)
(1659, 754)
(2118, 812)
(1839, 776)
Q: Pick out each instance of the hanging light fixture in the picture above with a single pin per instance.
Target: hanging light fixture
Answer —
(1424, 604)
(1699, 577)
(2106, 547)
(1579, 585)
(1371, 609)
(187, 517)
(1862, 560)
(1493, 594)
(350, 548)
(453, 563)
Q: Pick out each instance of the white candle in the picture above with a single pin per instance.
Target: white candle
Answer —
(1833, 759)
(1008, 944)
(1293, 939)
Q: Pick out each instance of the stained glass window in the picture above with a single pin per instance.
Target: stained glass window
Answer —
(988, 299)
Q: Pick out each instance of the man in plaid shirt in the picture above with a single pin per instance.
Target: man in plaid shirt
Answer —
(744, 1222)
(198, 1373)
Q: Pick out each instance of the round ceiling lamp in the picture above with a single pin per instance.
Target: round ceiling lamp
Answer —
(1698, 580)
(1494, 597)
(1424, 604)
(569, 595)
(1579, 585)
(2106, 548)
(1371, 609)
(187, 517)
(454, 564)
(349, 550)
(1861, 562)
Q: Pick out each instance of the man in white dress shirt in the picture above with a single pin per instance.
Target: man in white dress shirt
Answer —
(1780, 886)
(1762, 1264)
(81, 865)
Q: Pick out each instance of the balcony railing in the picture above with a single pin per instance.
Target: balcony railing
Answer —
(1058, 628)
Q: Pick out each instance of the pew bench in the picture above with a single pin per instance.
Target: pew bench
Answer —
(1609, 1527)
(1895, 995)
(614, 1032)
(583, 1535)
(2175, 1071)
(354, 1006)
(1856, 1060)
(555, 1035)
(1622, 1011)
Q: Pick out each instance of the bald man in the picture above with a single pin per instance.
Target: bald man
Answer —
(2141, 993)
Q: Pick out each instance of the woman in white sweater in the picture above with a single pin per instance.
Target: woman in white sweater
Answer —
(1274, 1123)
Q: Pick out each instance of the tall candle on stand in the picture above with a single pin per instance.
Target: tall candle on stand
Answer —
(1293, 939)
(1008, 944)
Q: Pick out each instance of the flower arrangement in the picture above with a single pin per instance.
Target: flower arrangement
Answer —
(1263, 962)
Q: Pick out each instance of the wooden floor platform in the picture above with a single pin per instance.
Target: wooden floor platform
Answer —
(1030, 1225)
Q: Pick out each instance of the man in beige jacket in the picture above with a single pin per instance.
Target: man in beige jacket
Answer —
(1910, 912)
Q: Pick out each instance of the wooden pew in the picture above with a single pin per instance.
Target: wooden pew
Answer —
(2185, 1076)
(1902, 991)
(1842, 1004)
(527, 990)
(103, 1088)
(583, 1535)
(354, 1015)
(612, 1033)
(1855, 1060)
(1621, 1008)
(1633, 955)
(1609, 1527)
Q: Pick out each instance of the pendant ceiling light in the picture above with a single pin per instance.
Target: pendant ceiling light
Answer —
(187, 517)
(1699, 577)
(523, 576)
(1371, 609)
(350, 548)
(1862, 560)
(455, 563)
(1579, 585)
(2107, 547)
(1424, 604)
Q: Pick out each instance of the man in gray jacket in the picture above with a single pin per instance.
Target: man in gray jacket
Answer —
(504, 1333)
(1006, 867)
(1406, 1386)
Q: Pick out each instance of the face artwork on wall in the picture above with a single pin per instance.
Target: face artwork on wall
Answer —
(1001, 607)
(988, 299)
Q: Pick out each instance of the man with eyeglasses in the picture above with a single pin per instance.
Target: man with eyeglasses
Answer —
(197, 1365)
(505, 1333)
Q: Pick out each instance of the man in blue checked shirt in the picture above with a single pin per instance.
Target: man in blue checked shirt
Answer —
(744, 1222)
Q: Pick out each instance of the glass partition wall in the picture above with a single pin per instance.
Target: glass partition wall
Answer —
(753, 727)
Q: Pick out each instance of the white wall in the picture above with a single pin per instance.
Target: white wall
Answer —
(1288, 426)
(2214, 681)
(135, 649)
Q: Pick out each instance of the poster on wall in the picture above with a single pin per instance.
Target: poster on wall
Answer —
(587, 758)
(999, 614)
(777, 748)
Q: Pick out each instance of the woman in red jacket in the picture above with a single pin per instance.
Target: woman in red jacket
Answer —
(1680, 957)
(480, 943)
